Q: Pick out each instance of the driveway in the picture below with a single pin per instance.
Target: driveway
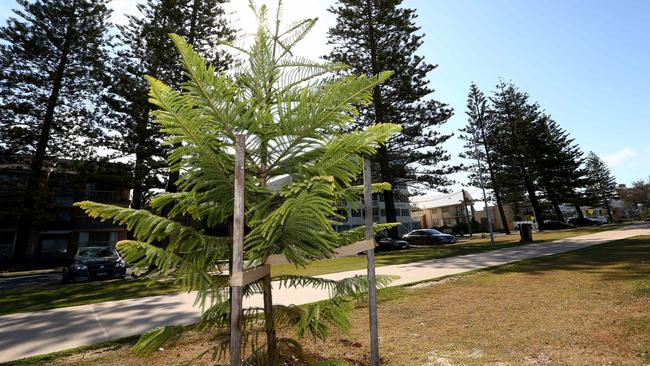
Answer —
(29, 334)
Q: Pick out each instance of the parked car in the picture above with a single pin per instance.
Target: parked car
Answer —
(94, 263)
(428, 237)
(558, 225)
(583, 221)
(386, 243)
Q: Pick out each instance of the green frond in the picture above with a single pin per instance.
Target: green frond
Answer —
(298, 227)
(376, 188)
(316, 318)
(152, 340)
(189, 271)
(359, 233)
(347, 287)
(148, 227)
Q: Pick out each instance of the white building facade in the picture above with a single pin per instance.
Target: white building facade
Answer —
(354, 214)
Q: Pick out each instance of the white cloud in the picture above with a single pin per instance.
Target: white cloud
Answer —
(620, 157)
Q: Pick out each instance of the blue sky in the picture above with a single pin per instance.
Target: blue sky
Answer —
(585, 61)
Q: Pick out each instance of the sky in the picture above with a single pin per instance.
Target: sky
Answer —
(585, 61)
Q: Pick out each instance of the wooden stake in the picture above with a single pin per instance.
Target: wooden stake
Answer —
(236, 300)
(372, 281)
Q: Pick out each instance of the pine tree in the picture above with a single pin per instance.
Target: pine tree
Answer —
(375, 35)
(477, 135)
(559, 165)
(52, 71)
(601, 186)
(145, 48)
(295, 115)
(516, 129)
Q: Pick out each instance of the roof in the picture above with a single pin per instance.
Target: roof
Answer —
(440, 200)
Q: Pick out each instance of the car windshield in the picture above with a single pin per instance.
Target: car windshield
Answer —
(97, 252)
(432, 231)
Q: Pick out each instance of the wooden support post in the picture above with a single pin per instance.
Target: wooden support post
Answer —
(372, 281)
(236, 299)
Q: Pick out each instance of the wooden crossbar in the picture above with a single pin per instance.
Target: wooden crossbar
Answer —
(345, 251)
(250, 275)
(354, 249)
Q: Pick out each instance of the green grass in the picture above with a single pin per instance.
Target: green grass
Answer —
(421, 254)
(62, 295)
(608, 277)
(59, 295)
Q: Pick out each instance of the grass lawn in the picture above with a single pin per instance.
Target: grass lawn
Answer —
(420, 254)
(61, 295)
(588, 307)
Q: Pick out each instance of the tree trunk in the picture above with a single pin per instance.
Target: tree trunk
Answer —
(389, 196)
(502, 213)
(267, 288)
(609, 212)
(558, 213)
(537, 209)
(495, 185)
(271, 337)
(38, 159)
(467, 218)
(579, 211)
(377, 101)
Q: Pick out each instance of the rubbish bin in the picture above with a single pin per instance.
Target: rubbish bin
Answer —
(526, 232)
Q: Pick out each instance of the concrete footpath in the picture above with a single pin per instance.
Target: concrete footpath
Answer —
(29, 334)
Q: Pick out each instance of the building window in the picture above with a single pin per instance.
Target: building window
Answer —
(381, 197)
(382, 213)
(54, 246)
(97, 238)
(375, 211)
(7, 240)
(405, 212)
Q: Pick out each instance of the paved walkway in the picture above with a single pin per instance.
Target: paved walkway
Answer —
(28, 334)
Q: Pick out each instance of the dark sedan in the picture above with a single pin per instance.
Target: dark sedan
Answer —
(558, 225)
(386, 243)
(94, 263)
(428, 237)
(583, 221)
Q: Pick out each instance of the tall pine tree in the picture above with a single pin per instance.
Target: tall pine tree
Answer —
(559, 165)
(376, 35)
(147, 50)
(51, 68)
(477, 135)
(516, 122)
(601, 184)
